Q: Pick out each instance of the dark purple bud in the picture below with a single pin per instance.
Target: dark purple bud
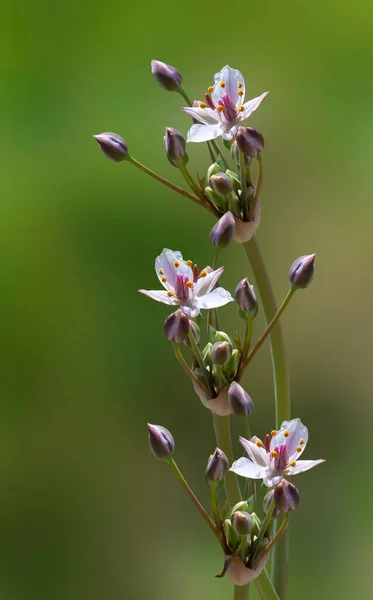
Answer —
(176, 327)
(221, 183)
(161, 441)
(286, 496)
(167, 76)
(246, 298)
(242, 522)
(239, 401)
(221, 352)
(223, 231)
(302, 270)
(236, 155)
(250, 141)
(175, 145)
(217, 466)
(113, 146)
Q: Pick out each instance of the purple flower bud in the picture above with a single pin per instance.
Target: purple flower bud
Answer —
(176, 327)
(250, 141)
(221, 352)
(239, 401)
(175, 145)
(302, 270)
(242, 522)
(223, 231)
(245, 297)
(217, 466)
(236, 155)
(113, 146)
(286, 496)
(221, 183)
(161, 441)
(167, 76)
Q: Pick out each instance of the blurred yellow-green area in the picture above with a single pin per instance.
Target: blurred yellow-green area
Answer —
(86, 512)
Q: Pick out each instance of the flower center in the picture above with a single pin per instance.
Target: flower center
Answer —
(183, 286)
(281, 460)
(229, 108)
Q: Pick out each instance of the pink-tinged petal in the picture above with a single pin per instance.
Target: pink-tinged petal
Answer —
(302, 466)
(205, 284)
(231, 78)
(246, 468)
(214, 299)
(203, 133)
(252, 105)
(272, 481)
(292, 433)
(165, 263)
(191, 311)
(203, 115)
(256, 454)
(230, 134)
(160, 296)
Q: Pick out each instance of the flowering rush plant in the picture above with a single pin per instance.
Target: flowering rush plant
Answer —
(250, 529)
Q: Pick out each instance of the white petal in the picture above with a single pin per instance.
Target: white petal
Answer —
(252, 105)
(165, 261)
(303, 465)
(230, 133)
(271, 481)
(191, 311)
(205, 284)
(203, 115)
(256, 454)
(297, 432)
(203, 133)
(244, 467)
(214, 299)
(231, 78)
(160, 296)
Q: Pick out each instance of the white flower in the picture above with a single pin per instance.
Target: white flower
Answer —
(224, 108)
(278, 457)
(186, 286)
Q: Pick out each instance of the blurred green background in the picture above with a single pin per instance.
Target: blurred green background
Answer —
(85, 510)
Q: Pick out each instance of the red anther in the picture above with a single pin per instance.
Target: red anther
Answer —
(209, 101)
(195, 273)
(267, 442)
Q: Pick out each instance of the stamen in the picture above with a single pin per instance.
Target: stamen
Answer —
(241, 108)
(189, 263)
(267, 442)
(240, 84)
(203, 274)
(274, 454)
(259, 444)
(286, 433)
(160, 272)
(210, 102)
(220, 107)
(273, 432)
(299, 448)
(188, 284)
(240, 92)
(176, 264)
(301, 441)
(164, 279)
(222, 84)
(210, 89)
(202, 105)
(170, 294)
(195, 273)
(293, 463)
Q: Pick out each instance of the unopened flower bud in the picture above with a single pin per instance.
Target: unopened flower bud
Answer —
(286, 496)
(217, 466)
(242, 522)
(302, 270)
(239, 401)
(113, 146)
(256, 524)
(175, 145)
(221, 352)
(167, 76)
(250, 141)
(218, 200)
(244, 505)
(246, 298)
(230, 533)
(161, 441)
(267, 502)
(235, 153)
(236, 182)
(176, 327)
(221, 183)
(231, 366)
(223, 231)
(213, 170)
(221, 336)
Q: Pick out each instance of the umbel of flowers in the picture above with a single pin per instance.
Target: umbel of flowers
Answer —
(214, 360)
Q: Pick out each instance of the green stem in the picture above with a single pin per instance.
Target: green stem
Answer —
(185, 366)
(219, 153)
(263, 529)
(189, 181)
(244, 203)
(259, 178)
(241, 592)
(265, 587)
(246, 343)
(171, 185)
(280, 532)
(224, 442)
(197, 353)
(209, 144)
(282, 389)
